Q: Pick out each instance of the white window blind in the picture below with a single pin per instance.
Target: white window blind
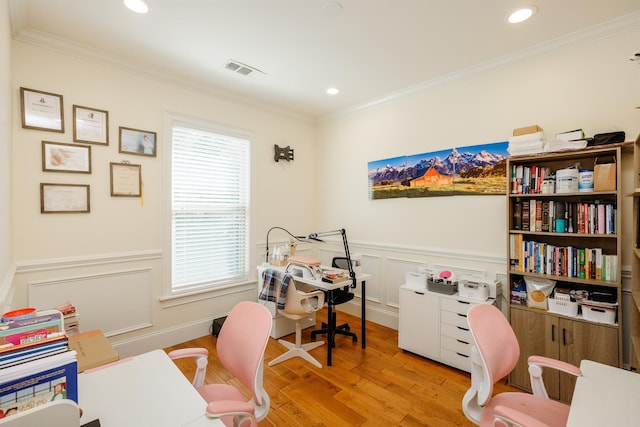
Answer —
(209, 208)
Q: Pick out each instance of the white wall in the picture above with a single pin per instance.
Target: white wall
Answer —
(5, 155)
(591, 86)
(124, 235)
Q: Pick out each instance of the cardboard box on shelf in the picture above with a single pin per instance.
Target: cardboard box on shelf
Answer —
(604, 176)
(527, 130)
(93, 349)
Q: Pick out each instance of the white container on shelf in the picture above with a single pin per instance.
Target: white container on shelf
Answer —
(567, 180)
(599, 313)
(562, 304)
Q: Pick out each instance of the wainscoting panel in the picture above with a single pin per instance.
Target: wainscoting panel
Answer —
(116, 302)
(395, 277)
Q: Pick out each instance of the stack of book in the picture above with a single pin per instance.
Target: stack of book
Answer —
(334, 276)
(36, 364)
(526, 140)
(71, 318)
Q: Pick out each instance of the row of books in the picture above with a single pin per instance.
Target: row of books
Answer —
(528, 179)
(565, 261)
(36, 363)
(565, 217)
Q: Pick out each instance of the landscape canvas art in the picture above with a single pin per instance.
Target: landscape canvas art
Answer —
(469, 170)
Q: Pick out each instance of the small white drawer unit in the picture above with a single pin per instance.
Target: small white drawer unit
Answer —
(435, 325)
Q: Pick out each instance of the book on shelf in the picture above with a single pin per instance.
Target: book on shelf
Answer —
(30, 384)
(525, 215)
(517, 215)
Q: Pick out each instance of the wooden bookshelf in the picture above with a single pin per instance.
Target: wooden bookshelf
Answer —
(553, 333)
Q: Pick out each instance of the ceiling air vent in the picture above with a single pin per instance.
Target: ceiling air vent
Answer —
(241, 68)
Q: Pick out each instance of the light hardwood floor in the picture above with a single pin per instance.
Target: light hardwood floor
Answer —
(378, 386)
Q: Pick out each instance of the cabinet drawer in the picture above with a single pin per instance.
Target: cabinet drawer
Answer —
(455, 319)
(456, 360)
(456, 332)
(456, 345)
(455, 305)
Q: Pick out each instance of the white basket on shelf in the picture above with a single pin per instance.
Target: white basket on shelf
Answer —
(562, 304)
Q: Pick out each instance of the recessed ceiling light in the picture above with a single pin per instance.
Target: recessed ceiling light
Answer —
(333, 91)
(138, 6)
(332, 8)
(522, 14)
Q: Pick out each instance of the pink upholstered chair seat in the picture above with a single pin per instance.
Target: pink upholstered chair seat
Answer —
(548, 412)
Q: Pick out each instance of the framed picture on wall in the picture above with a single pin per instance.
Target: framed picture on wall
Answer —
(64, 198)
(41, 110)
(90, 125)
(59, 157)
(126, 180)
(136, 141)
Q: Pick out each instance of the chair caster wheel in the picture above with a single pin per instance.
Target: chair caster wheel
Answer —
(355, 339)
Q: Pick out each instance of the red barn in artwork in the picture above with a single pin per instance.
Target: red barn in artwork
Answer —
(431, 178)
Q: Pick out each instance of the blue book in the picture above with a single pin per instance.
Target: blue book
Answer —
(37, 382)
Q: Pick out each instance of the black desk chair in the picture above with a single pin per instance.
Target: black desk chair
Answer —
(340, 296)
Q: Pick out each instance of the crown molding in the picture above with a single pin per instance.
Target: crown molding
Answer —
(589, 35)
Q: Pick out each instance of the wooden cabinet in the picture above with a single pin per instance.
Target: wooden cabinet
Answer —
(435, 325)
(634, 315)
(564, 339)
(573, 238)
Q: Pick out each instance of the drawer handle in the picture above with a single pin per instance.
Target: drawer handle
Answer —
(463, 342)
(419, 293)
(462, 315)
(460, 354)
(463, 302)
(462, 329)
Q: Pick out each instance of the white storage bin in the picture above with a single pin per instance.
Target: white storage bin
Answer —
(599, 313)
(415, 279)
(562, 304)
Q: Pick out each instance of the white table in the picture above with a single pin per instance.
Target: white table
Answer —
(361, 279)
(605, 396)
(330, 287)
(145, 390)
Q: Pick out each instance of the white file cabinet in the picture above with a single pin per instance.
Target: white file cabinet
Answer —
(435, 325)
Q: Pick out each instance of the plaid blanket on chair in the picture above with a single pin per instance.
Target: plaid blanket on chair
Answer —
(275, 286)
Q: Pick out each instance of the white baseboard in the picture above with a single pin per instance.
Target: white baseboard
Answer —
(162, 338)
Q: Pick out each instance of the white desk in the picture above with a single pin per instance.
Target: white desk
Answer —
(146, 390)
(361, 279)
(605, 396)
(330, 287)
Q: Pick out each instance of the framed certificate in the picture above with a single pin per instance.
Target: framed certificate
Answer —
(126, 180)
(90, 125)
(42, 110)
(59, 157)
(64, 198)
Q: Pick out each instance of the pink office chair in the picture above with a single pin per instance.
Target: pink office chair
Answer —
(240, 347)
(493, 357)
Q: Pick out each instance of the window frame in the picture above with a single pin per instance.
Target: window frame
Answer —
(218, 287)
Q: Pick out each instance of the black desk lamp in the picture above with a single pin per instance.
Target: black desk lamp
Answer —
(298, 238)
(342, 232)
(316, 237)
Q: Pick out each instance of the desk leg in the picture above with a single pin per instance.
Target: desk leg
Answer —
(330, 327)
(364, 314)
